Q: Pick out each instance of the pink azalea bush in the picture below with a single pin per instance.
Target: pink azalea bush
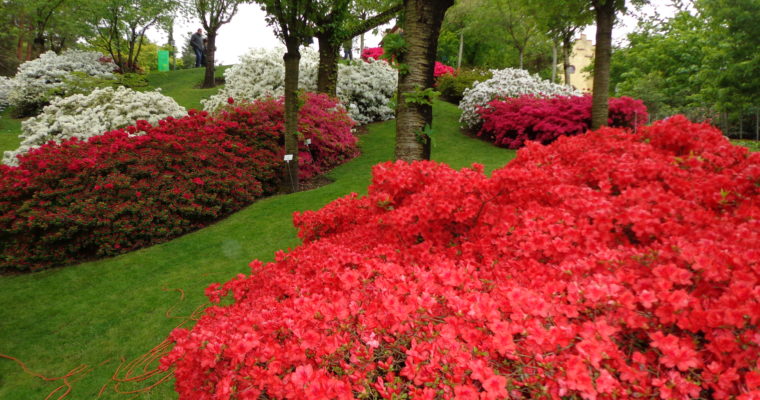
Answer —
(442, 69)
(511, 122)
(607, 265)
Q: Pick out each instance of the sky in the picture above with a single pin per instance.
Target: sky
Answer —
(248, 29)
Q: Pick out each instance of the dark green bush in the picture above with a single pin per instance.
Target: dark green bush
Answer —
(452, 86)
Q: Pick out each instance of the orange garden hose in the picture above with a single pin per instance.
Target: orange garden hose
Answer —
(135, 372)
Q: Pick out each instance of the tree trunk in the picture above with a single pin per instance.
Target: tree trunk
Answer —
(566, 59)
(327, 73)
(38, 45)
(605, 18)
(292, 59)
(554, 61)
(20, 48)
(208, 79)
(422, 24)
(520, 51)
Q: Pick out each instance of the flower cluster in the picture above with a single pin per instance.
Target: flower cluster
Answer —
(607, 265)
(6, 85)
(84, 116)
(514, 121)
(36, 79)
(442, 69)
(364, 89)
(372, 52)
(80, 199)
(508, 82)
(322, 121)
(261, 73)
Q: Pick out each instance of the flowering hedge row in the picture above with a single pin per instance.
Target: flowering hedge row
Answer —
(75, 200)
(376, 53)
(84, 116)
(365, 89)
(35, 80)
(513, 121)
(322, 120)
(504, 83)
(606, 265)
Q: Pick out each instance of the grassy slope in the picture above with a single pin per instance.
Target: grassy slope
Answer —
(9, 131)
(183, 85)
(103, 311)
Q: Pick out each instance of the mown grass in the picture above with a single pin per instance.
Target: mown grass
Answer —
(98, 313)
(9, 131)
(184, 85)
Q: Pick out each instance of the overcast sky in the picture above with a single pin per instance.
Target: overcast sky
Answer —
(248, 29)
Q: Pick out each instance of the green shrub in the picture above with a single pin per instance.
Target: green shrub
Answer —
(452, 86)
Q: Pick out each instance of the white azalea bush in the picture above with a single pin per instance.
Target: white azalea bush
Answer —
(261, 73)
(508, 82)
(365, 89)
(36, 79)
(6, 85)
(84, 116)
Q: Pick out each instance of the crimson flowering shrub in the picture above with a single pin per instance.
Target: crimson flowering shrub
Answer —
(442, 69)
(113, 193)
(513, 121)
(607, 265)
(321, 119)
(372, 52)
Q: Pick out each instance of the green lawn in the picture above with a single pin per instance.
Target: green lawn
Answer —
(184, 85)
(100, 312)
(9, 131)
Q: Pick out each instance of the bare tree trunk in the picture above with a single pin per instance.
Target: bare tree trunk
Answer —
(327, 73)
(554, 61)
(20, 48)
(605, 18)
(292, 59)
(208, 79)
(422, 25)
(520, 51)
(566, 59)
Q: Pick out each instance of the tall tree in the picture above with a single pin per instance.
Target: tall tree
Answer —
(121, 27)
(562, 20)
(421, 27)
(344, 21)
(213, 14)
(292, 21)
(519, 22)
(604, 11)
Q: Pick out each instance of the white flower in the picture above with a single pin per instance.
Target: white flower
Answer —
(508, 82)
(36, 78)
(365, 89)
(84, 116)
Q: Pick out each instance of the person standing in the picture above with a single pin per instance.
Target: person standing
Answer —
(347, 49)
(196, 42)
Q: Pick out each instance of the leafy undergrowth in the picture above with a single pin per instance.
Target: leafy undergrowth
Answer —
(97, 313)
(607, 265)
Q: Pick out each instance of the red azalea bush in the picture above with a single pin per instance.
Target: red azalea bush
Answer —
(512, 122)
(321, 119)
(608, 265)
(114, 193)
(442, 69)
(372, 52)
